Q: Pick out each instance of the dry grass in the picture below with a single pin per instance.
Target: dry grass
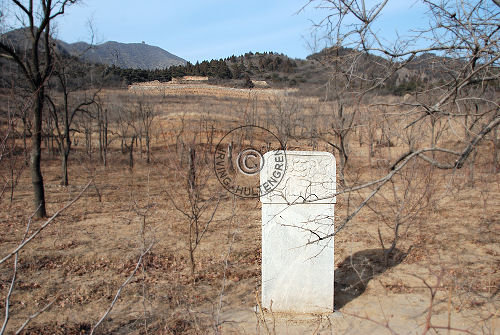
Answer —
(82, 258)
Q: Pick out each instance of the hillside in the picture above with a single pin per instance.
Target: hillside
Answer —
(331, 67)
(310, 75)
(124, 55)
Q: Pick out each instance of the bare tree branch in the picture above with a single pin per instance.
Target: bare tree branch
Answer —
(35, 315)
(44, 225)
(117, 295)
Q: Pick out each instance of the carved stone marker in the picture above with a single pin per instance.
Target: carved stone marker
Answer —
(297, 276)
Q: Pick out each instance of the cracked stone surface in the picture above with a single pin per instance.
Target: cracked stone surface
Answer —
(297, 269)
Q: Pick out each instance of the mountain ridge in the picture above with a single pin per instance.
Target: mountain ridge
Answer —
(125, 55)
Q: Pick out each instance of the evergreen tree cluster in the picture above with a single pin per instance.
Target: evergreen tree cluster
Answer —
(214, 68)
(234, 67)
(130, 76)
(262, 63)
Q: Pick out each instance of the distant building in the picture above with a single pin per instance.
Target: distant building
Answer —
(260, 83)
(195, 78)
(189, 79)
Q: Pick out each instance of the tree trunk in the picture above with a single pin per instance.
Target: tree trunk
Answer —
(88, 137)
(148, 153)
(389, 251)
(36, 154)
(100, 129)
(496, 145)
(131, 152)
(191, 258)
(52, 150)
(46, 143)
(192, 171)
(65, 147)
(140, 144)
(25, 146)
(64, 180)
(12, 185)
(433, 136)
(472, 160)
(105, 136)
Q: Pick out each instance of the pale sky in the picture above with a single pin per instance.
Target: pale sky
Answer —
(199, 30)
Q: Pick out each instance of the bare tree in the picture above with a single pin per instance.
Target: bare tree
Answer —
(85, 122)
(401, 204)
(129, 119)
(36, 64)
(103, 124)
(147, 115)
(122, 286)
(465, 39)
(28, 237)
(199, 209)
(9, 156)
(283, 115)
(5, 136)
(71, 80)
(340, 129)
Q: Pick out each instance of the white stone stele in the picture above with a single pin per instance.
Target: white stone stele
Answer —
(296, 276)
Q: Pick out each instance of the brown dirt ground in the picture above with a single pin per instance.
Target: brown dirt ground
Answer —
(83, 257)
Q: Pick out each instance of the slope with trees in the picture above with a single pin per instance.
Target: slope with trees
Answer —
(36, 63)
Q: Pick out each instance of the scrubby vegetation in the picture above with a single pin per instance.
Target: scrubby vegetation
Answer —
(113, 220)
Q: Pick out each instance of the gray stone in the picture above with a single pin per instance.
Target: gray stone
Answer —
(298, 275)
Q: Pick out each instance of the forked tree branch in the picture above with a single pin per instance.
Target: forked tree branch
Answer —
(34, 315)
(14, 275)
(9, 294)
(401, 162)
(43, 226)
(117, 295)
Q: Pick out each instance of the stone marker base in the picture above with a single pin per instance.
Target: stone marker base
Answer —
(297, 277)
(297, 323)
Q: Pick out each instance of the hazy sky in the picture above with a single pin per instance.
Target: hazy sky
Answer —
(204, 29)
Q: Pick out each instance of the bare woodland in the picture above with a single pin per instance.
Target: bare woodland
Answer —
(112, 220)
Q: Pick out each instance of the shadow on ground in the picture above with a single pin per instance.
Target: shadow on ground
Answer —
(355, 271)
